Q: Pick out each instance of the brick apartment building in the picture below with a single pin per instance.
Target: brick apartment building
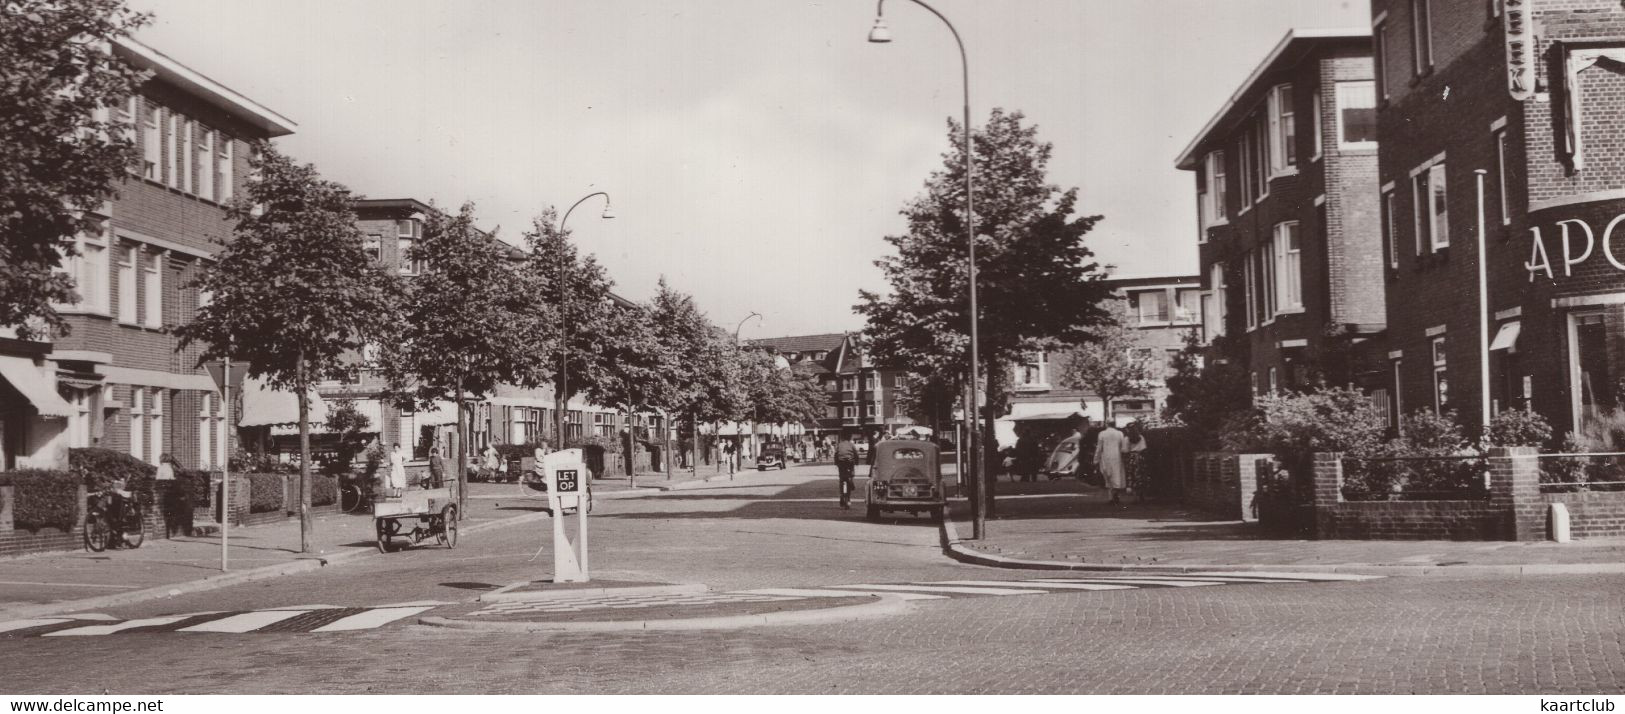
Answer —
(1291, 264)
(862, 396)
(513, 415)
(1525, 100)
(118, 373)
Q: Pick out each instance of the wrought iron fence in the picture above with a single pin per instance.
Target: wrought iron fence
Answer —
(1573, 473)
(1416, 478)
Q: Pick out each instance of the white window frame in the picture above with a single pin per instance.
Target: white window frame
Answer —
(1266, 265)
(1181, 312)
(1379, 66)
(1315, 120)
(152, 277)
(1289, 267)
(849, 412)
(128, 111)
(88, 269)
(205, 425)
(1275, 379)
(1249, 284)
(185, 158)
(871, 410)
(1501, 175)
(129, 263)
(1283, 131)
(1339, 89)
(152, 148)
(373, 245)
(226, 155)
(1424, 180)
(1140, 302)
(1399, 394)
(138, 412)
(1244, 152)
(1421, 36)
(176, 158)
(1038, 360)
(1390, 226)
(1437, 347)
(155, 425)
(205, 165)
(1217, 188)
(1214, 312)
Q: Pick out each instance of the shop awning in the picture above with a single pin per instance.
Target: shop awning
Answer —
(35, 385)
(442, 413)
(1507, 336)
(1059, 416)
(264, 406)
(371, 409)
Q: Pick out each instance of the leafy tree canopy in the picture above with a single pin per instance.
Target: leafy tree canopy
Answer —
(1107, 365)
(60, 155)
(578, 289)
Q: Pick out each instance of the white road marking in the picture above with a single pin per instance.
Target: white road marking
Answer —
(25, 624)
(92, 616)
(417, 603)
(305, 607)
(69, 585)
(117, 627)
(370, 619)
(814, 592)
(244, 622)
(1297, 576)
(1046, 585)
(1216, 578)
(1131, 581)
(946, 589)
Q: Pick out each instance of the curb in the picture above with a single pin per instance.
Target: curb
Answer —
(504, 594)
(886, 605)
(216, 582)
(955, 549)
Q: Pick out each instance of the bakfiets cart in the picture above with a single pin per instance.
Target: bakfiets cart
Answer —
(431, 513)
(907, 476)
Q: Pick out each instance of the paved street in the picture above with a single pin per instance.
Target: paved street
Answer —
(354, 627)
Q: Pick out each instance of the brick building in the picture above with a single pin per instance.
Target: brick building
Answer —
(1291, 263)
(862, 396)
(127, 386)
(1525, 101)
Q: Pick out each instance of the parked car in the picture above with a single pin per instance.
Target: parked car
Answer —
(772, 456)
(907, 476)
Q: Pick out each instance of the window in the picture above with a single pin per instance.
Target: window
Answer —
(138, 412)
(128, 257)
(152, 149)
(1441, 381)
(1244, 150)
(849, 412)
(1153, 306)
(1261, 159)
(1494, 8)
(126, 117)
(88, 270)
(205, 427)
(1591, 377)
(155, 425)
(869, 382)
(1314, 125)
(1187, 305)
(183, 156)
(869, 410)
(177, 158)
(1249, 288)
(1282, 129)
(154, 279)
(1421, 36)
(1033, 372)
(1390, 228)
(1432, 208)
(1253, 378)
(373, 244)
(1289, 262)
(1356, 115)
(1399, 396)
(205, 165)
(1266, 266)
(899, 380)
(1501, 175)
(1213, 311)
(1215, 188)
(226, 168)
(849, 384)
(1379, 58)
(1275, 380)
(405, 235)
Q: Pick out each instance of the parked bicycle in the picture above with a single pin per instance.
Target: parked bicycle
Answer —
(114, 518)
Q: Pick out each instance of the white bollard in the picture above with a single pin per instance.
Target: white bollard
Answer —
(1558, 516)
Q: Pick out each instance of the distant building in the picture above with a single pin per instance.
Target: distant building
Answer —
(862, 396)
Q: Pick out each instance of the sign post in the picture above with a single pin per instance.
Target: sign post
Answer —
(225, 380)
(566, 472)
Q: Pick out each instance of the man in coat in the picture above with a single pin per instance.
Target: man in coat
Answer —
(846, 466)
(1109, 448)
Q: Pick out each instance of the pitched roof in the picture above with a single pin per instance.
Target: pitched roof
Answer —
(802, 343)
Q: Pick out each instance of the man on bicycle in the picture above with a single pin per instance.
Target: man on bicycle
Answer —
(846, 465)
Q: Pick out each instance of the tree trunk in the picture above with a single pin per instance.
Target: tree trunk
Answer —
(302, 384)
(665, 441)
(561, 405)
(694, 438)
(996, 398)
(631, 452)
(462, 461)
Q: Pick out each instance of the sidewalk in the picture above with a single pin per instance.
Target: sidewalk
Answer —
(1067, 523)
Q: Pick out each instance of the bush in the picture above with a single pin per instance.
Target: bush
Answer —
(99, 468)
(323, 490)
(245, 462)
(1516, 427)
(197, 483)
(45, 498)
(264, 493)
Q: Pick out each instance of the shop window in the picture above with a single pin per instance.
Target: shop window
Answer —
(1441, 378)
(1592, 376)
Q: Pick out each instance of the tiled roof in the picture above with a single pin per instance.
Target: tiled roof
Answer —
(803, 343)
(808, 367)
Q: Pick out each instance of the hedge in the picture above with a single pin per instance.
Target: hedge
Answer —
(45, 498)
(264, 492)
(98, 468)
(323, 490)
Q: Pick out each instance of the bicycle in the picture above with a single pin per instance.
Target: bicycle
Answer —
(353, 498)
(107, 517)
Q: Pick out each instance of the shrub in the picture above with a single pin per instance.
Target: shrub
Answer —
(45, 498)
(323, 490)
(264, 492)
(245, 462)
(1517, 427)
(197, 482)
(98, 468)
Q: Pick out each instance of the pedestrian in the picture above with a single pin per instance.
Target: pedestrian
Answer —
(1109, 448)
(1134, 461)
(492, 461)
(730, 454)
(846, 467)
(437, 468)
(397, 471)
(176, 501)
(1029, 452)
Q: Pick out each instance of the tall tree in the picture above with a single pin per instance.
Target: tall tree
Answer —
(469, 322)
(1038, 285)
(60, 155)
(777, 394)
(577, 288)
(697, 359)
(293, 291)
(633, 369)
(1110, 366)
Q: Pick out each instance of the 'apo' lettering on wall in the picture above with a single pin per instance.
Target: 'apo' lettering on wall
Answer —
(1575, 251)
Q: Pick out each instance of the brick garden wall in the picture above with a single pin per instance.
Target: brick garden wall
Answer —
(1223, 484)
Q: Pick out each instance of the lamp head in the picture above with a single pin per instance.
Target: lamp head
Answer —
(880, 33)
(609, 211)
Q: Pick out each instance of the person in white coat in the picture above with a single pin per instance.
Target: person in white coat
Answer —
(397, 470)
(1109, 446)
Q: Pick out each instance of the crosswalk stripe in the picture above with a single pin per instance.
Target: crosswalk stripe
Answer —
(944, 589)
(1296, 576)
(814, 592)
(116, 627)
(1045, 585)
(370, 619)
(244, 622)
(1132, 581)
(25, 624)
(1216, 578)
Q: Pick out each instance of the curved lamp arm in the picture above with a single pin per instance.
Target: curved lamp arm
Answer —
(609, 211)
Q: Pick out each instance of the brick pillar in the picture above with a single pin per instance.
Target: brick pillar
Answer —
(79, 514)
(1328, 493)
(1251, 467)
(1515, 489)
(8, 497)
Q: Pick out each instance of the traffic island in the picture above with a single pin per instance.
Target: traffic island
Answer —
(605, 607)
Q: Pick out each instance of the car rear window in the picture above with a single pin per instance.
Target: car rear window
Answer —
(908, 454)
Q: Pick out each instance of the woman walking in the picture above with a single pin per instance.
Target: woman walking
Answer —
(1109, 447)
(1134, 461)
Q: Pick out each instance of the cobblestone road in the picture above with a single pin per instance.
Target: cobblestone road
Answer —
(783, 530)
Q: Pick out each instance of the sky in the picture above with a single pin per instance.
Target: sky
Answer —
(757, 152)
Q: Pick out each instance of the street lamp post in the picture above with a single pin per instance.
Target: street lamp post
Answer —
(882, 34)
(563, 397)
(737, 328)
